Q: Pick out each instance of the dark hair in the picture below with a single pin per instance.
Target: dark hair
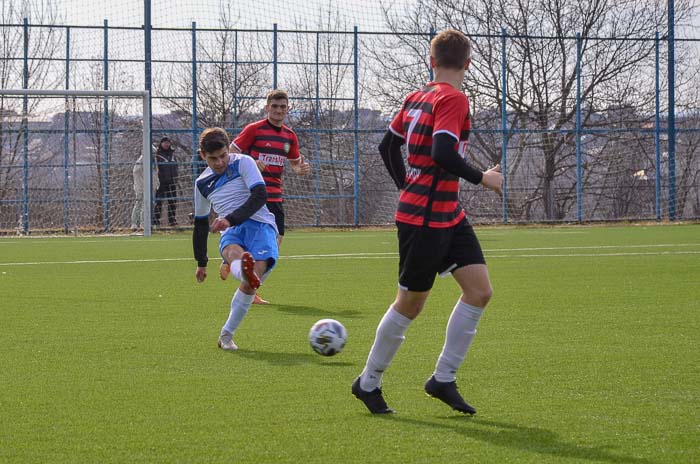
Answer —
(276, 94)
(450, 49)
(213, 139)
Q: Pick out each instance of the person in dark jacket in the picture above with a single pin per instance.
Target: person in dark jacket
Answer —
(167, 177)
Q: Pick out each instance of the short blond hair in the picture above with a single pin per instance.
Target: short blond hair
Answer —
(450, 49)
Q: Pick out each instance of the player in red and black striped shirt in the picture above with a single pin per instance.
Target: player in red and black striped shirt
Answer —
(271, 143)
(434, 234)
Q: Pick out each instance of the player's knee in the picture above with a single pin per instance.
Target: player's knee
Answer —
(484, 294)
(479, 296)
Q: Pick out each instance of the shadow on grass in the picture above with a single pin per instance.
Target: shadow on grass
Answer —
(530, 439)
(298, 310)
(277, 358)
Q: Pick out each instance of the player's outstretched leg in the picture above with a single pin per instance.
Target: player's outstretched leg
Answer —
(226, 342)
(240, 304)
(224, 270)
(447, 393)
(372, 399)
(248, 270)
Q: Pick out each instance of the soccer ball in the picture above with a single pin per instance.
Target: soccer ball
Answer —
(327, 337)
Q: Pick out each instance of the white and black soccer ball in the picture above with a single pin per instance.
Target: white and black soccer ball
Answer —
(327, 337)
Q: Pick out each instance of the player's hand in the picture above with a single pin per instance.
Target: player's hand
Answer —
(261, 166)
(493, 179)
(220, 224)
(304, 167)
(201, 274)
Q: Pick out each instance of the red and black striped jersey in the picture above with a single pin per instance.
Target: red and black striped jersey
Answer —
(429, 196)
(272, 145)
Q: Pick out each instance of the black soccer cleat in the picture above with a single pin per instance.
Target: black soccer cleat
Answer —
(372, 399)
(448, 394)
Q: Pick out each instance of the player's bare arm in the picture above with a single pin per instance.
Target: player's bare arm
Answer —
(493, 179)
(261, 166)
(300, 166)
(233, 148)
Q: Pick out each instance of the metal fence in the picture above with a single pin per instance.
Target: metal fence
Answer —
(635, 158)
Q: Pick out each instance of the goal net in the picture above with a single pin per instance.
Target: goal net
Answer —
(587, 147)
(71, 161)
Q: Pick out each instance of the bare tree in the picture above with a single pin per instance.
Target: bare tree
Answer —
(232, 68)
(617, 62)
(323, 120)
(42, 43)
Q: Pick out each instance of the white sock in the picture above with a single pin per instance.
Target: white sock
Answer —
(236, 269)
(461, 330)
(240, 303)
(390, 335)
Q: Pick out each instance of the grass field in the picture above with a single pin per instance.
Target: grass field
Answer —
(587, 353)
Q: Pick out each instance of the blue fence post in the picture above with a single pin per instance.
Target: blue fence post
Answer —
(579, 180)
(356, 126)
(25, 131)
(671, 112)
(235, 80)
(66, 116)
(504, 126)
(148, 85)
(657, 131)
(432, 35)
(317, 141)
(195, 142)
(105, 129)
(274, 56)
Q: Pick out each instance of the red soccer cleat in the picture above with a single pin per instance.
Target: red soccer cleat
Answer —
(248, 270)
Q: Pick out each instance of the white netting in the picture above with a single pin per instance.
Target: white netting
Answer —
(68, 163)
(346, 83)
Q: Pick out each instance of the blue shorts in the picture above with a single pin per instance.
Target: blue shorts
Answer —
(257, 238)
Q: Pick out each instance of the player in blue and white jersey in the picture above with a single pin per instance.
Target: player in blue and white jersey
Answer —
(234, 188)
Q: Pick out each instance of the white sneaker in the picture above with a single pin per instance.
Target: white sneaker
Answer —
(226, 342)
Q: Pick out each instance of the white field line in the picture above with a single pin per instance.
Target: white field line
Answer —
(558, 255)
(393, 255)
(96, 261)
(597, 247)
(570, 255)
(126, 239)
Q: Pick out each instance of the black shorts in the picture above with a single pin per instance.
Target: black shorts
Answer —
(425, 252)
(276, 208)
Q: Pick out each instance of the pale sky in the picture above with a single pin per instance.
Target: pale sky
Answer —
(366, 14)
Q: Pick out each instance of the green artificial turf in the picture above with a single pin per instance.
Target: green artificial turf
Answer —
(587, 353)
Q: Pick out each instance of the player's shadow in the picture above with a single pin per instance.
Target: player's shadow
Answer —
(530, 439)
(278, 358)
(298, 310)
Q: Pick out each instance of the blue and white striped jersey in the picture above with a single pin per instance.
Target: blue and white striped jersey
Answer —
(228, 191)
